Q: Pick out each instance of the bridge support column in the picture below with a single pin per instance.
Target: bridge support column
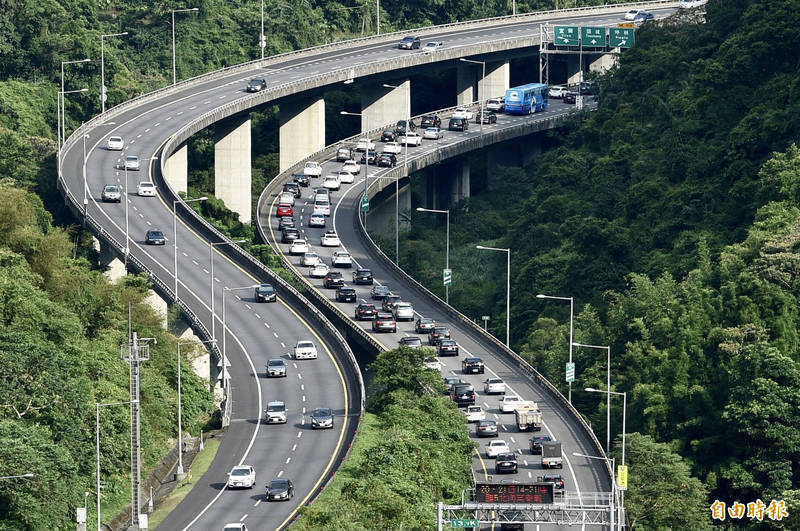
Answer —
(431, 196)
(302, 130)
(573, 69)
(500, 155)
(177, 169)
(496, 82)
(232, 169)
(530, 149)
(459, 182)
(109, 260)
(466, 83)
(603, 63)
(381, 105)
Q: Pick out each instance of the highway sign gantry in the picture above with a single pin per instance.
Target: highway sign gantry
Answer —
(620, 37)
(593, 37)
(566, 35)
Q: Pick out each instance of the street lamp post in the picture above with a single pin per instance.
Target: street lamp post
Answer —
(62, 137)
(613, 482)
(508, 286)
(127, 234)
(98, 405)
(175, 235)
(85, 184)
(174, 71)
(397, 181)
(211, 259)
(263, 41)
(608, 384)
(571, 313)
(447, 246)
(624, 395)
(62, 116)
(225, 290)
(179, 473)
(366, 156)
(378, 17)
(103, 69)
(482, 84)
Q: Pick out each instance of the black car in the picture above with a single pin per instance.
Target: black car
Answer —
(362, 275)
(588, 88)
(368, 157)
(384, 322)
(388, 136)
(430, 120)
(400, 128)
(536, 443)
(289, 235)
(424, 325)
(569, 97)
(488, 117)
(301, 178)
(458, 124)
(387, 160)
(294, 188)
(280, 489)
(472, 365)
(286, 223)
(409, 43)
(346, 294)
(506, 464)
(154, 237)
(365, 311)
(322, 418)
(486, 428)
(379, 292)
(334, 279)
(437, 333)
(448, 347)
(463, 395)
(411, 342)
(265, 293)
(389, 302)
(552, 478)
(257, 84)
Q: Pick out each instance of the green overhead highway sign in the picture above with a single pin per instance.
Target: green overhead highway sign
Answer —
(593, 37)
(565, 35)
(464, 522)
(620, 37)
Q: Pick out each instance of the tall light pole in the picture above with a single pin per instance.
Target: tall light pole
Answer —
(613, 482)
(211, 259)
(447, 246)
(481, 84)
(397, 181)
(225, 290)
(508, 286)
(62, 116)
(366, 157)
(571, 313)
(103, 69)
(378, 17)
(263, 40)
(608, 384)
(127, 249)
(85, 184)
(175, 236)
(174, 71)
(624, 396)
(179, 473)
(98, 405)
(63, 103)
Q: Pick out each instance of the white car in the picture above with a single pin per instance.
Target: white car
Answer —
(392, 147)
(432, 46)
(330, 239)
(131, 162)
(146, 189)
(352, 167)
(557, 91)
(462, 112)
(275, 412)
(298, 246)
(496, 104)
(345, 177)
(319, 270)
(236, 526)
(242, 477)
(474, 413)
(115, 143)
(286, 197)
(364, 144)
(321, 193)
(411, 138)
(493, 386)
(331, 182)
(631, 15)
(322, 206)
(432, 363)
(310, 259)
(342, 259)
(495, 447)
(432, 133)
(316, 220)
(305, 350)
(403, 311)
(509, 403)
(688, 4)
(312, 168)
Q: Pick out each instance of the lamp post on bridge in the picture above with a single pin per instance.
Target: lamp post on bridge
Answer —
(174, 69)
(103, 69)
(571, 312)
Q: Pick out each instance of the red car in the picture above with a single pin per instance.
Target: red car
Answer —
(285, 209)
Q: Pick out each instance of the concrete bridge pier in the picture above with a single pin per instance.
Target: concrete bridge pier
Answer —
(459, 181)
(302, 129)
(109, 260)
(603, 62)
(466, 83)
(177, 169)
(232, 167)
(381, 105)
(574, 68)
(496, 82)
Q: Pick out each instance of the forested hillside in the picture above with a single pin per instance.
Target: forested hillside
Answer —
(671, 216)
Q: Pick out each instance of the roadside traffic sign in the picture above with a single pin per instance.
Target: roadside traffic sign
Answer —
(464, 522)
(592, 36)
(570, 372)
(620, 37)
(485, 318)
(447, 277)
(364, 203)
(565, 35)
(622, 477)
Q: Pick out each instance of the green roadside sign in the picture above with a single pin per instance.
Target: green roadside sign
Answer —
(464, 522)
(566, 35)
(364, 203)
(570, 370)
(447, 277)
(620, 37)
(593, 37)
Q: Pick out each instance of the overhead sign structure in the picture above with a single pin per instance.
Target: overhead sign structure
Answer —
(464, 522)
(620, 37)
(447, 277)
(566, 36)
(593, 37)
(570, 372)
(527, 493)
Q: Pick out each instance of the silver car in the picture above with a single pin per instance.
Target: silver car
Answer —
(276, 368)
(275, 413)
(403, 311)
(111, 194)
(432, 133)
(131, 163)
